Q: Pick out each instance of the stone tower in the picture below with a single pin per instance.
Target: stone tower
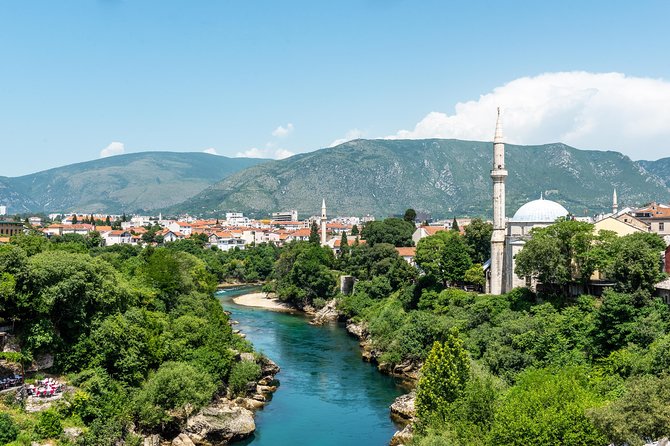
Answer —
(498, 175)
(615, 202)
(323, 223)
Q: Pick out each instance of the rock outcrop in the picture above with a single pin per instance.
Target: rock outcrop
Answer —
(359, 330)
(403, 407)
(183, 440)
(403, 437)
(327, 313)
(219, 424)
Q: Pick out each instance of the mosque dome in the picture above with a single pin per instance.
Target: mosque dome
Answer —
(540, 211)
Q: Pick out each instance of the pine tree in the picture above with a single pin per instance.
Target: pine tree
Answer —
(344, 245)
(108, 221)
(443, 378)
(74, 219)
(314, 234)
(354, 230)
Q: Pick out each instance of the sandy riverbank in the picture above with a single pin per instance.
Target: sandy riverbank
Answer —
(260, 300)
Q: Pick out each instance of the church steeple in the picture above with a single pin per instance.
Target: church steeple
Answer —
(615, 202)
(498, 175)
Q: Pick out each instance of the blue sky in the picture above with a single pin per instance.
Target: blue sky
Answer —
(78, 76)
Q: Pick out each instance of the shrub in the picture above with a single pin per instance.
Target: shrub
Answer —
(49, 424)
(177, 389)
(242, 374)
(8, 429)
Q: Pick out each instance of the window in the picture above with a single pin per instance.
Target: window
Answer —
(661, 226)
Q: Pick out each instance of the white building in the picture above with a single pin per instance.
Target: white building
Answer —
(236, 219)
(291, 215)
(3, 210)
(117, 237)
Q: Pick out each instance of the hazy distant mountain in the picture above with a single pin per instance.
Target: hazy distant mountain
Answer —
(444, 177)
(660, 168)
(123, 183)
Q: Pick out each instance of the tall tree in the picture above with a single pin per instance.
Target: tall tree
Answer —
(344, 244)
(314, 234)
(394, 231)
(454, 225)
(559, 254)
(443, 378)
(410, 215)
(354, 230)
(478, 237)
(444, 256)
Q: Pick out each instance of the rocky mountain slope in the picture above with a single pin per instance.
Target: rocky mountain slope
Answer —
(443, 177)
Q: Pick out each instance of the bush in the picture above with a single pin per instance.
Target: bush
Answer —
(242, 374)
(49, 424)
(547, 406)
(177, 390)
(8, 429)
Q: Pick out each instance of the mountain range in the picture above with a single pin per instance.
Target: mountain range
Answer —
(444, 177)
(133, 182)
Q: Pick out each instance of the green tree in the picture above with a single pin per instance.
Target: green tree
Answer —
(176, 390)
(636, 263)
(443, 378)
(74, 219)
(560, 254)
(475, 275)
(478, 237)
(444, 256)
(640, 415)
(314, 237)
(344, 245)
(454, 225)
(394, 231)
(410, 215)
(354, 230)
(547, 407)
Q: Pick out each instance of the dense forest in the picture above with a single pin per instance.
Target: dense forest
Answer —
(137, 332)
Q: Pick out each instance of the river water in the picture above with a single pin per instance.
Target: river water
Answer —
(327, 394)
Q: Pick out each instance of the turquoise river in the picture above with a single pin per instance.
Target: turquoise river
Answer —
(327, 394)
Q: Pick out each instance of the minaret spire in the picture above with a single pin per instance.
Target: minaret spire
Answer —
(323, 223)
(498, 175)
(615, 202)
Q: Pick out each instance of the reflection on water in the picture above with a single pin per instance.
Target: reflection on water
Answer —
(328, 395)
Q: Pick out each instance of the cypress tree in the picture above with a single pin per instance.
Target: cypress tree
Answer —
(314, 234)
(454, 226)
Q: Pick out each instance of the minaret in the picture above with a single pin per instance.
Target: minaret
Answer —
(323, 223)
(615, 202)
(498, 175)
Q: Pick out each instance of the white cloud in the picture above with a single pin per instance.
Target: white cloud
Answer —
(115, 148)
(211, 151)
(268, 152)
(351, 134)
(605, 111)
(281, 132)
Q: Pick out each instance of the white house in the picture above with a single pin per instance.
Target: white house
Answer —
(117, 237)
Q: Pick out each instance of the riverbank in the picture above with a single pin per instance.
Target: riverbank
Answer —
(261, 300)
(328, 396)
